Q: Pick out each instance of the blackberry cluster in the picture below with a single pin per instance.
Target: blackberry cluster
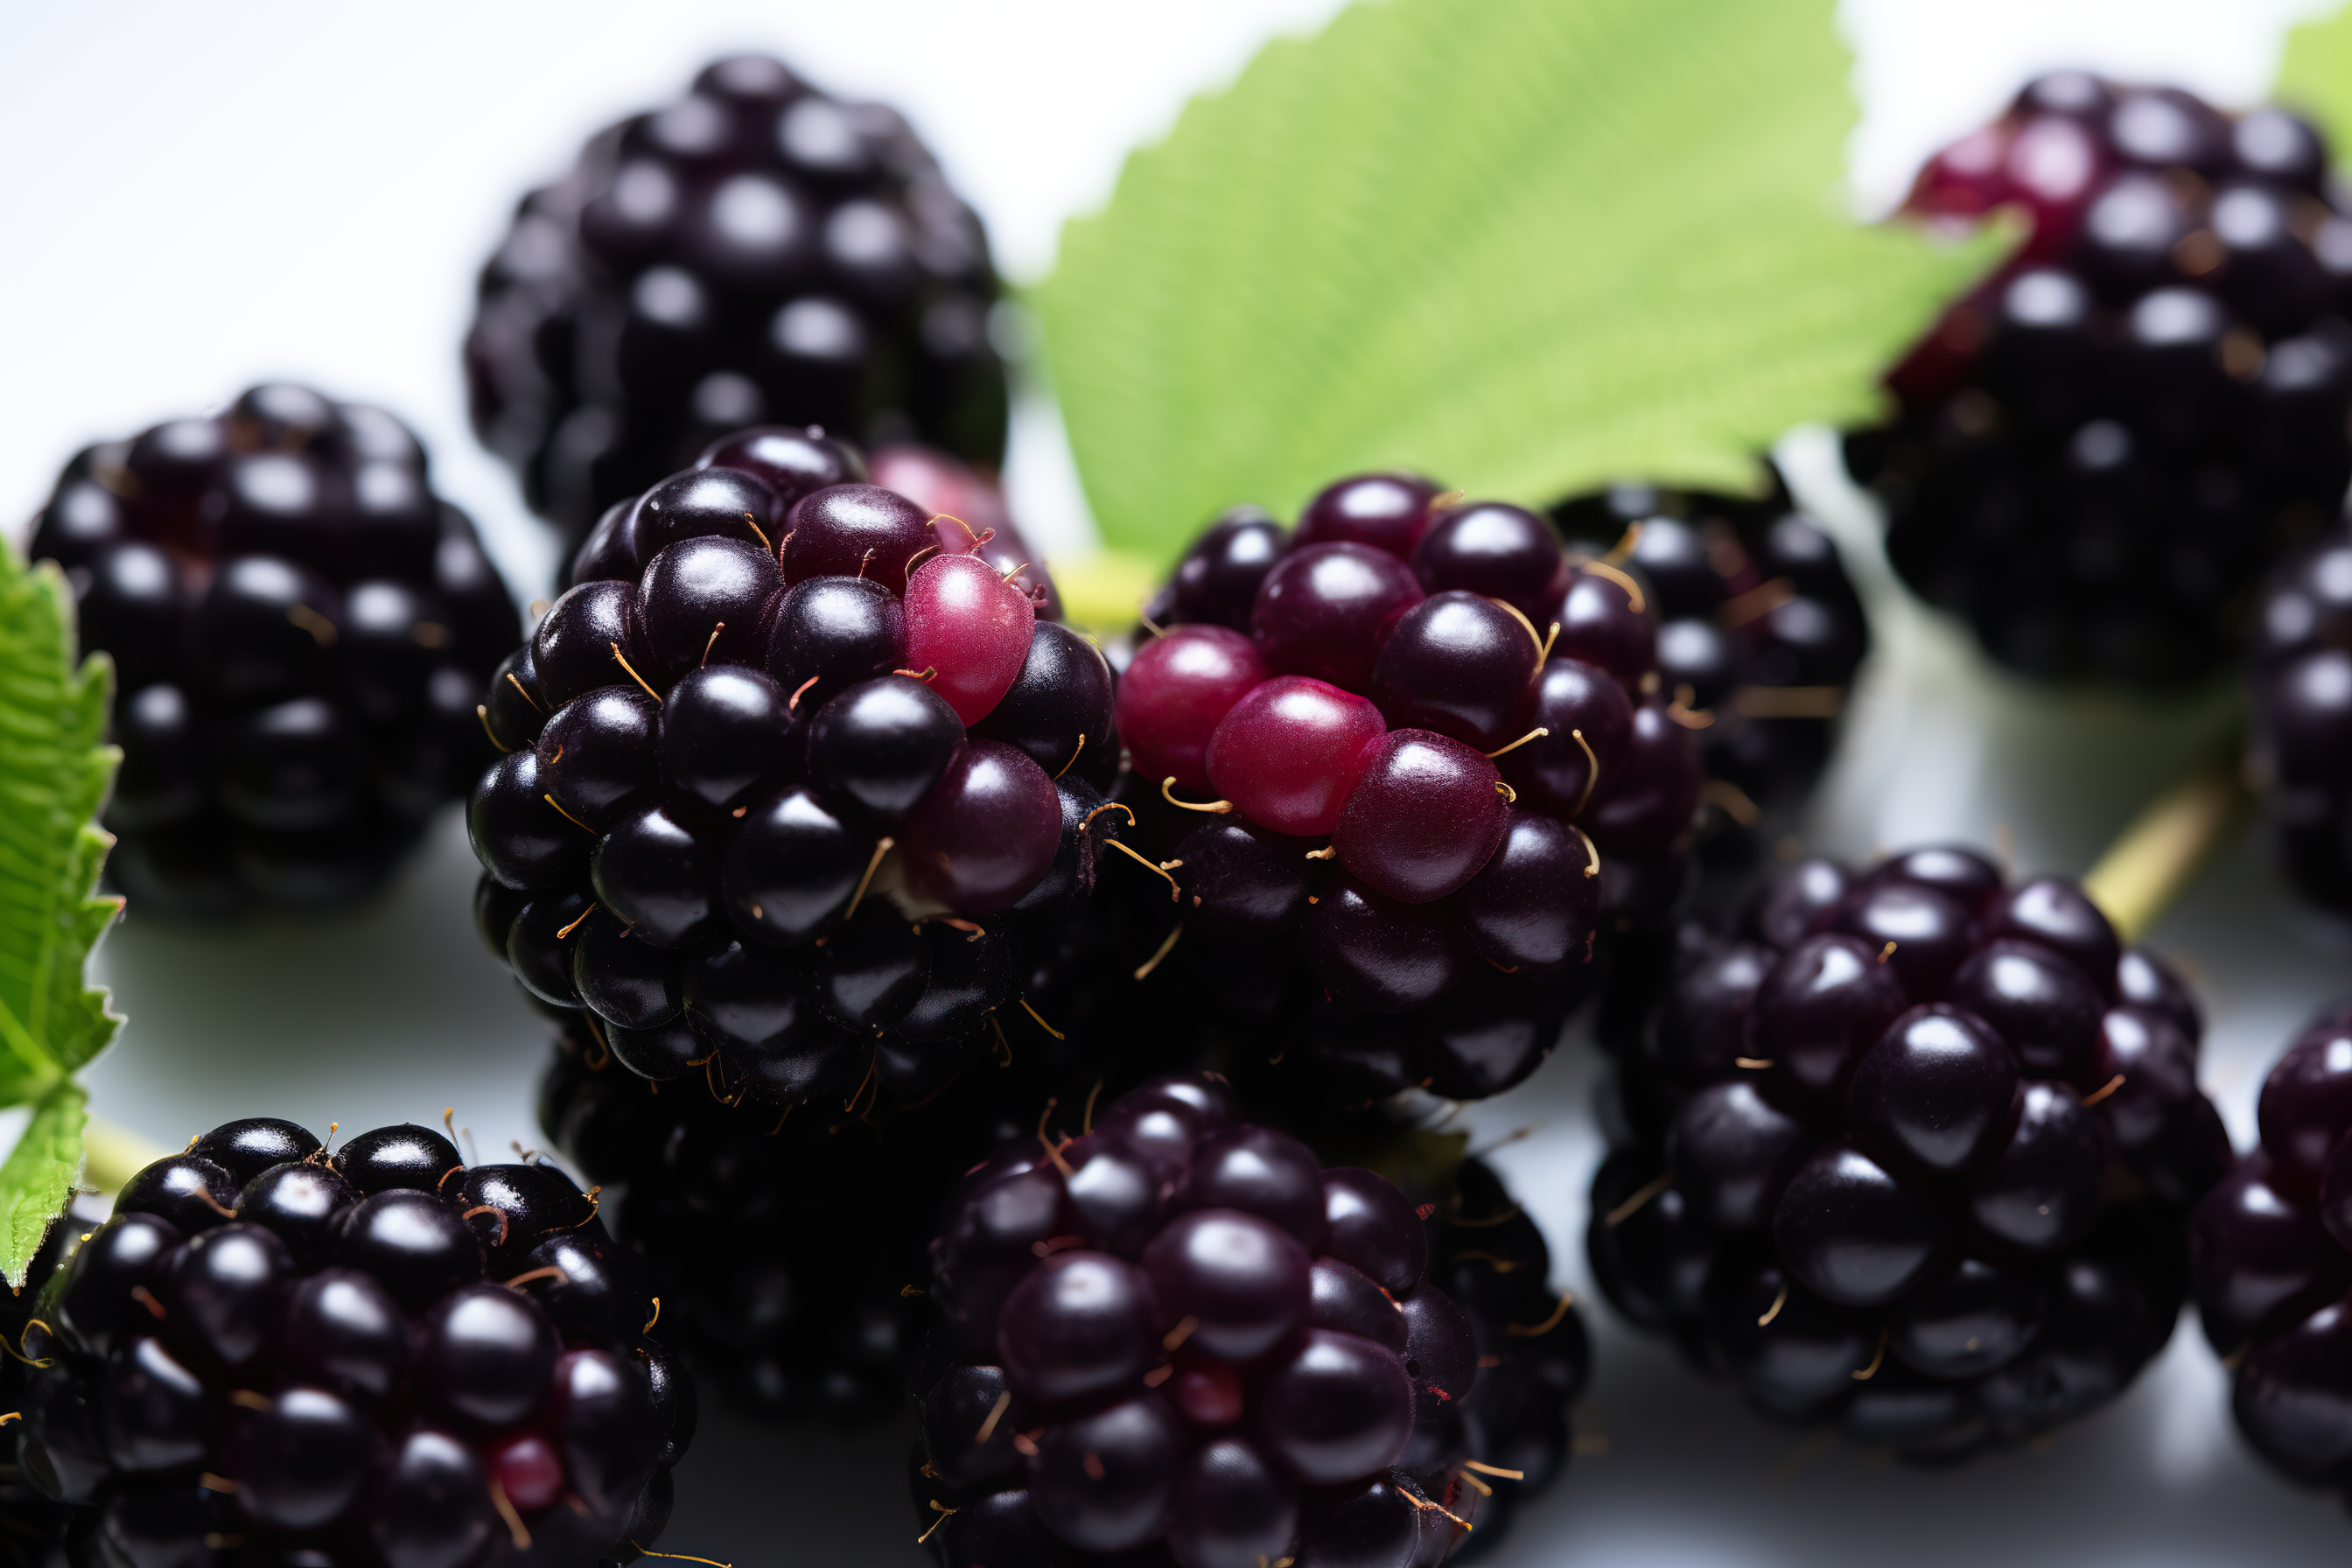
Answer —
(795, 1307)
(2271, 1259)
(788, 771)
(1176, 1337)
(2098, 450)
(2300, 671)
(1912, 1150)
(1402, 766)
(1761, 631)
(755, 252)
(382, 1357)
(299, 626)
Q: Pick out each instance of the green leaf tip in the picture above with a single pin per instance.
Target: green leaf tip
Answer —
(38, 1179)
(1524, 245)
(2315, 77)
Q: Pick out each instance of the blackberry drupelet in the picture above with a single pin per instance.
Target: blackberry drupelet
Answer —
(2098, 450)
(1534, 1357)
(1176, 1336)
(2300, 671)
(1759, 623)
(384, 1356)
(32, 1524)
(2271, 1259)
(794, 1307)
(788, 770)
(757, 251)
(1911, 1151)
(1404, 766)
(298, 627)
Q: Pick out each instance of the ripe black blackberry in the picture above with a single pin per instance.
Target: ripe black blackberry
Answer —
(2271, 1258)
(788, 767)
(299, 626)
(1176, 1336)
(1759, 623)
(1405, 766)
(1911, 1151)
(795, 1308)
(2098, 450)
(756, 252)
(268, 1353)
(2300, 669)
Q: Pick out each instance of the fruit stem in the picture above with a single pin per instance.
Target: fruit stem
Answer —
(115, 1154)
(2153, 860)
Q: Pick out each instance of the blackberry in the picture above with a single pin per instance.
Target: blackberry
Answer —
(2271, 1258)
(272, 1354)
(1397, 713)
(1176, 1336)
(789, 768)
(2098, 448)
(298, 625)
(1761, 631)
(795, 1309)
(2300, 671)
(1911, 1153)
(756, 252)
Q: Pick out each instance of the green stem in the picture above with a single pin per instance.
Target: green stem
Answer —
(2151, 864)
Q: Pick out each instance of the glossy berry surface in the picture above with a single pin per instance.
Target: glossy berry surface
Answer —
(755, 252)
(1759, 633)
(2299, 677)
(1329, 784)
(1942, 1204)
(1176, 1333)
(738, 832)
(300, 630)
(2147, 404)
(2271, 1260)
(377, 1351)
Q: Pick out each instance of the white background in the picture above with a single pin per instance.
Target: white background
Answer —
(198, 196)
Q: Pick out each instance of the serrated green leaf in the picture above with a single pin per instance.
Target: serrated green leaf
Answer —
(39, 1177)
(54, 771)
(2315, 77)
(1525, 245)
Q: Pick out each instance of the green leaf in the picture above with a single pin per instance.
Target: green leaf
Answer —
(1525, 245)
(54, 771)
(39, 1177)
(2315, 77)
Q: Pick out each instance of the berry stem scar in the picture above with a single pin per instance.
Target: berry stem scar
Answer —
(882, 846)
(1144, 969)
(633, 671)
(1632, 1205)
(1175, 891)
(1538, 734)
(1592, 772)
(1167, 788)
